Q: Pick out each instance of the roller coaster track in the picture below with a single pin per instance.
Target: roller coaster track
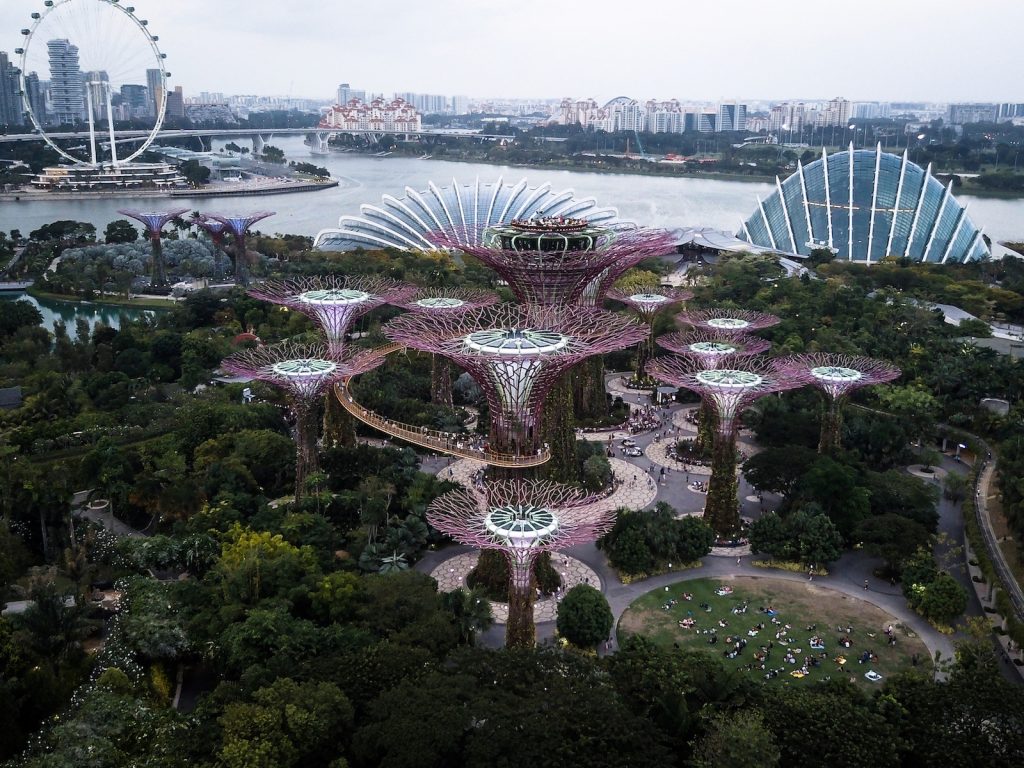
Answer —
(442, 442)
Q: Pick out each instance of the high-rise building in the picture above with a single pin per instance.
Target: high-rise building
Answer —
(1010, 111)
(665, 117)
(379, 115)
(10, 101)
(871, 110)
(973, 113)
(67, 90)
(787, 117)
(460, 105)
(732, 116)
(346, 93)
(836, 113)
(35, 90)
(155, 84)
(136, 99)
(176, 103)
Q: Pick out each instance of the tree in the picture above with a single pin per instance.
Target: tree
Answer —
(768, 534)
(195, 172)
(596, 472)
(15, 315)
(816, 536)
(471, 612)
(944, 600)
(836, 489)
(287, 724)
(737, 740)
(892, 537)
(273, 154)
(120, 231)
(584, 616)
(778, 469)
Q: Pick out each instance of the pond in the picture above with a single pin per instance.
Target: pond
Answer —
(70, 311)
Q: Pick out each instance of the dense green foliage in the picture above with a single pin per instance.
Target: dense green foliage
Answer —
(650, 541)
(584, 617)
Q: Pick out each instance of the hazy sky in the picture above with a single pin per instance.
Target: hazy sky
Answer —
(938, 50)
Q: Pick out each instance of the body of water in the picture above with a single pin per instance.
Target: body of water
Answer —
(648, 200)
(68, 312)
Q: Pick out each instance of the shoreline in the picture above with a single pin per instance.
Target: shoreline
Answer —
(32, 195)
(147, 303)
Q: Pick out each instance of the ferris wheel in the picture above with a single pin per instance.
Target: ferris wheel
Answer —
(103, 65)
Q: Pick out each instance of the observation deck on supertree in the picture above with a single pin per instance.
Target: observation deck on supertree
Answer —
(239, 226)
(837, 376)
(728, 391)
(154, 222)
(521, 519)
(305, 371)
(728, 322)
(333, 302)
(558, 261)
(515, 353)
(648, 301)
(713, 350)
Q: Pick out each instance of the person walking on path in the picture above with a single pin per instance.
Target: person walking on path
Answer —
(865, 585)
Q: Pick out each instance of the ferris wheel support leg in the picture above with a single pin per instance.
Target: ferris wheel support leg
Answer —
(110, 126)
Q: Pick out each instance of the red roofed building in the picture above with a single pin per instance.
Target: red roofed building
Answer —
(394, 116)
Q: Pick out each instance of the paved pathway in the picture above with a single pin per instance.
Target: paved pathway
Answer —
(451, 574)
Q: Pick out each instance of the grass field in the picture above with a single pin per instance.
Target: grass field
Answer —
(798, 607)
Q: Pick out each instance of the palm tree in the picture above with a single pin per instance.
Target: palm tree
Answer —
(471, 612)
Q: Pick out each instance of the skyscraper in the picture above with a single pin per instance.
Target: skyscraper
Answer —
(67, 86)
(732, 116)
(176, 103)
(10, 102)
(155, 83)
(36, 92)
(97, 82)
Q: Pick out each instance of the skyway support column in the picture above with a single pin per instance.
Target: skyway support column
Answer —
(318, 142)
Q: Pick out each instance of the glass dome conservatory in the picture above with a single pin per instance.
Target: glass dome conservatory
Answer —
(864, 205)
(460, 210)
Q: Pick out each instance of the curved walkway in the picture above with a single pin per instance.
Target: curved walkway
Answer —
(442, 442)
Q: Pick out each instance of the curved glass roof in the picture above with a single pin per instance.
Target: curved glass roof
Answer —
(865, 205)
(461, 210)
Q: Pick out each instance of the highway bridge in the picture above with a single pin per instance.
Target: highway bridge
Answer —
(317, 137)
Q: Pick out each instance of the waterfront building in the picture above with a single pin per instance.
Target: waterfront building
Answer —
(88, 178)
(396, 116)
(865, 205)
(959, 114)
(405, 222)
(67, 90)
(665, 117)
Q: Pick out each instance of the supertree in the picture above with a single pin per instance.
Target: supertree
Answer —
(837, 376)
(648, 301)
(238, 226)
(444, 301)
(333, 302)
(515, 353)
(727, 322)
(305, 371)
(154, 222)
(729, 391)
(559, 261)
(522, 519)
(216, 230)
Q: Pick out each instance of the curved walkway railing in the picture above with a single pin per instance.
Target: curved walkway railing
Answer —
(435, 440)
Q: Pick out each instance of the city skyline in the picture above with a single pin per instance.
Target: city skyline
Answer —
(773, 57)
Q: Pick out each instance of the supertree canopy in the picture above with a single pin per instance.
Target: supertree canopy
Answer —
(558, 261)
(713, 350)
(515, 353)
(837, 376)
(334, 302)
(728, 322)
(444, 301)
(648, 301)
(728, 391)
(239, 226)
(305, 371)
(154, 223)
(522, 519)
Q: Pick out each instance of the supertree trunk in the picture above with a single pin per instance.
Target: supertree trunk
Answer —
(644, 352)
(831, 426)
(306, 460)
(706, 419)
(722, 509)
(589, 391)
(339, 425)
(159, 271)
(241, 268)
(441, 381)
(559, 431)
(520, 631)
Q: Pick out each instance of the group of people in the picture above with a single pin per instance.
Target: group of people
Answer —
(643, 419)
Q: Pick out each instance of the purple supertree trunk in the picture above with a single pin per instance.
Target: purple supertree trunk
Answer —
(216, 230)
(837, 376)
(729, 391)
(648, 301)
(305, 371)
(333, 302)
(515, 354)
(522, 519)
(154, 224)
(239, 226)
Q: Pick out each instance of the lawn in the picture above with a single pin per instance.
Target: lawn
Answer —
(802, 610)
